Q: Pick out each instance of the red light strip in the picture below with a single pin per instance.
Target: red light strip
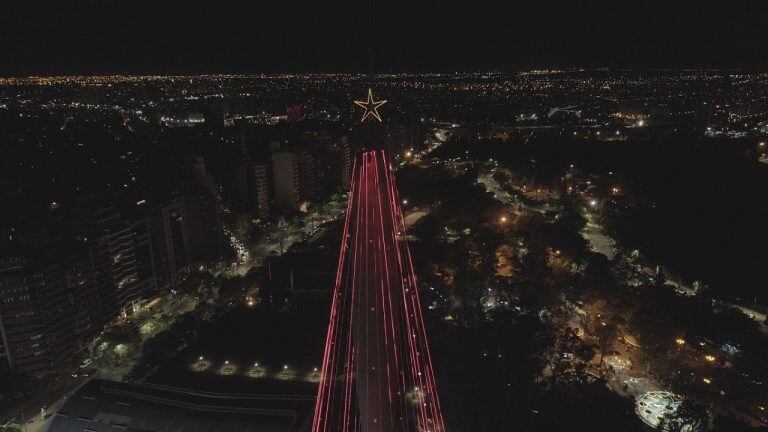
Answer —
(370, 280)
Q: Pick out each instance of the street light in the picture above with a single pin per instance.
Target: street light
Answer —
(503, 219)
(593, 203)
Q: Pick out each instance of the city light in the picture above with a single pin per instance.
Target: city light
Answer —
(236, 228)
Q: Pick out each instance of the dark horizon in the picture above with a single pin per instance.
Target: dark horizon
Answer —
(110, 37)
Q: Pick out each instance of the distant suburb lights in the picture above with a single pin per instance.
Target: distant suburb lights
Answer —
(371, 107)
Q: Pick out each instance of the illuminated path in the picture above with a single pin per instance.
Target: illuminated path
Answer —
(377, 370)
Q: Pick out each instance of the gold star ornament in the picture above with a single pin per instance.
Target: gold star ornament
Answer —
(371, 107)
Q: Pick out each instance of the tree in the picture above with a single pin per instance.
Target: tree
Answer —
(607, 330)
(598, 272)
(689, 417)
(565, 355)
(660, 278)
(501, 178)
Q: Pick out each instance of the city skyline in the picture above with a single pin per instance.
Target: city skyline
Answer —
(384, 216)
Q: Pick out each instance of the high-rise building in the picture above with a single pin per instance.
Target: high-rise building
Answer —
(259, 189)
(22, 329)
(308, 175)
(170, 242)
(287, 180)
(345, 162)
(204, 217)
(337, 165)
(146, 285)
(205, 230)
(202, 177)
(241, 184)
(49, 305)
(110, 242)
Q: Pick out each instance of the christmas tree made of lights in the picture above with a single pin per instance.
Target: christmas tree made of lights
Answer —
(377, 371)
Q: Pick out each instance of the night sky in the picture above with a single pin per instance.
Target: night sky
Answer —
(168, 36)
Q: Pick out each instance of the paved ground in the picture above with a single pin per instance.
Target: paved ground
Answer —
(414, 217)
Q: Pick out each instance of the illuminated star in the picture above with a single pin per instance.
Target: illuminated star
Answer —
(371, 107)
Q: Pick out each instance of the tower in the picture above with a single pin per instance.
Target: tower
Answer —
(377, 370)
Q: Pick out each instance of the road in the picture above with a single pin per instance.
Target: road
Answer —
(598, 241)
(51, 399)
(278, 238)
